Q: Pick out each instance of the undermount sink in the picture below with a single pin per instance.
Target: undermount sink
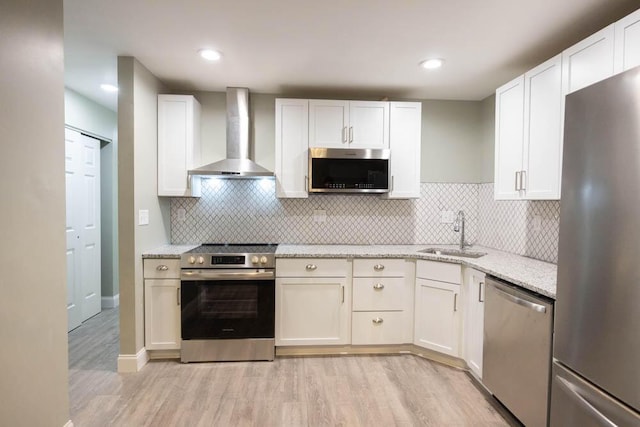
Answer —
(453, 252)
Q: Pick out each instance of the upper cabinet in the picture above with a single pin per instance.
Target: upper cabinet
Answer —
(292, 142)
(588, 61)
(348, 124)
(627, 53)
(178, 145)
(304, 123)
(404, 141)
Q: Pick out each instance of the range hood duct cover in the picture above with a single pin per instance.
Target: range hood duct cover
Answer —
(237, 164)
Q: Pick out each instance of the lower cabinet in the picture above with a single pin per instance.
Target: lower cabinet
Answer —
(473, 296)
(438, 307)
(310, 309)
(161, 304)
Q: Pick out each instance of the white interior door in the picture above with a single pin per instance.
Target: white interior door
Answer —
(82, 166)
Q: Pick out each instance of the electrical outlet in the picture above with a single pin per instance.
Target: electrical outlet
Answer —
(143, 217)
(536, 224)
(182, 214)
(319, 215)
(447, 217)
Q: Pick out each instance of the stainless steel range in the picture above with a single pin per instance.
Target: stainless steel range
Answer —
(228, 303)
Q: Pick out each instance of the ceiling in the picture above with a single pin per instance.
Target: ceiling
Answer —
(366, 48)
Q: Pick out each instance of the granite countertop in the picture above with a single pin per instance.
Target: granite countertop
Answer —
(537, 276)
(168, 251)
(531, 274)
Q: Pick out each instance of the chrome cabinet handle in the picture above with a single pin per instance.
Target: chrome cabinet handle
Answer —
(455, 302)
(378, 267)
(306, 183)
(178, 296)
(523, 180)
(311, 267)
(392, 183)
(480, 291)
(162, 267)
(344, 134)
(378, 286)
(343, 294)
(377, 320)
(350, 133)
(517, 180)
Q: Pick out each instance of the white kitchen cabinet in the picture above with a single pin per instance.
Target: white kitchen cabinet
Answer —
(292, 142)
(348, 124)
(627, 42)
(588, 61)
(162, 304)
(381, 296)
(405, 128)
(438, 307)
(473, 296)
(529, 134)
(311, 309)
(178, 145)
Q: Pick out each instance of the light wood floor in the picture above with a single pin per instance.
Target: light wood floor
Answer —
(399, 390)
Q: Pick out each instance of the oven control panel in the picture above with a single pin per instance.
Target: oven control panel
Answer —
(228, 261)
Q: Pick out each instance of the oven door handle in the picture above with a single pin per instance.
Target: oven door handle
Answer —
(213, 275)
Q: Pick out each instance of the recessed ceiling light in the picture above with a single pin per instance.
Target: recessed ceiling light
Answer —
(108, 88)
(210, 54)
(432, 64)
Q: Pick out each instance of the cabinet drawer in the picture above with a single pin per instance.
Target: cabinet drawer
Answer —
(378, 327)
(161, 268)
(387, 293)
(441, 271)
(380, 267)
(311, 267)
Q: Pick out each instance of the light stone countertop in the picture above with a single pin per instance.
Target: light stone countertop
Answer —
(531, 274)
(168, 251)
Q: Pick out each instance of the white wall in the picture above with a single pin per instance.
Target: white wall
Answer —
(33, 318)
(488, 138)
(137, 189)
(89, 117)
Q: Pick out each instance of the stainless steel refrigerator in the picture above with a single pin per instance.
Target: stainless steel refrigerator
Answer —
(596, 369)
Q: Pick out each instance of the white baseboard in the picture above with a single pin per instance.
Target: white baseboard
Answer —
(68, 424)
(128, 363)
(110, 302)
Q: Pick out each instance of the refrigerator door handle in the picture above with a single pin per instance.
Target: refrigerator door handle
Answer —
(574, 392)
(523, 302)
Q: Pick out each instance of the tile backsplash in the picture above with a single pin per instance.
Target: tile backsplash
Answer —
(240, 211)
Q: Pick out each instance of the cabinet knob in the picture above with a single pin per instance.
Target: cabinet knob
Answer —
(378, 286)
(311, 267)
(162, 267)
(377, 320)
(378, 267)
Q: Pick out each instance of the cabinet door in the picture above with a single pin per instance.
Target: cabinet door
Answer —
(178, 145)
(368, 124)
(437, 325)
(292, 142)
(473, 319)
(328, 123)
(405, 127)
(379, 328)
(509, 139)
(588, 61)
(627, 49)
(162, 314)
(543, 130)
(312, 311)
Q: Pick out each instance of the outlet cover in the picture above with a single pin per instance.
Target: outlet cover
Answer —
(182, 214)
(319, 215)
(143, 217)
(536, 223)
(447, 217)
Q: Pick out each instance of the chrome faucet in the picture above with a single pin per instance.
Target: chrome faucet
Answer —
(458, 226)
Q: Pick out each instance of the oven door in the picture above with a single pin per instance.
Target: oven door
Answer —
(227, 304)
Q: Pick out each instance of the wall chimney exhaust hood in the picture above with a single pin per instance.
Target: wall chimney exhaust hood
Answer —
(237, 164)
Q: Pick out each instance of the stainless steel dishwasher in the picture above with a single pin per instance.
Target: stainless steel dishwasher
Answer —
(518, 328)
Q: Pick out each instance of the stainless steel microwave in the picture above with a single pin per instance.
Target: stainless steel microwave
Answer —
(346, 170)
